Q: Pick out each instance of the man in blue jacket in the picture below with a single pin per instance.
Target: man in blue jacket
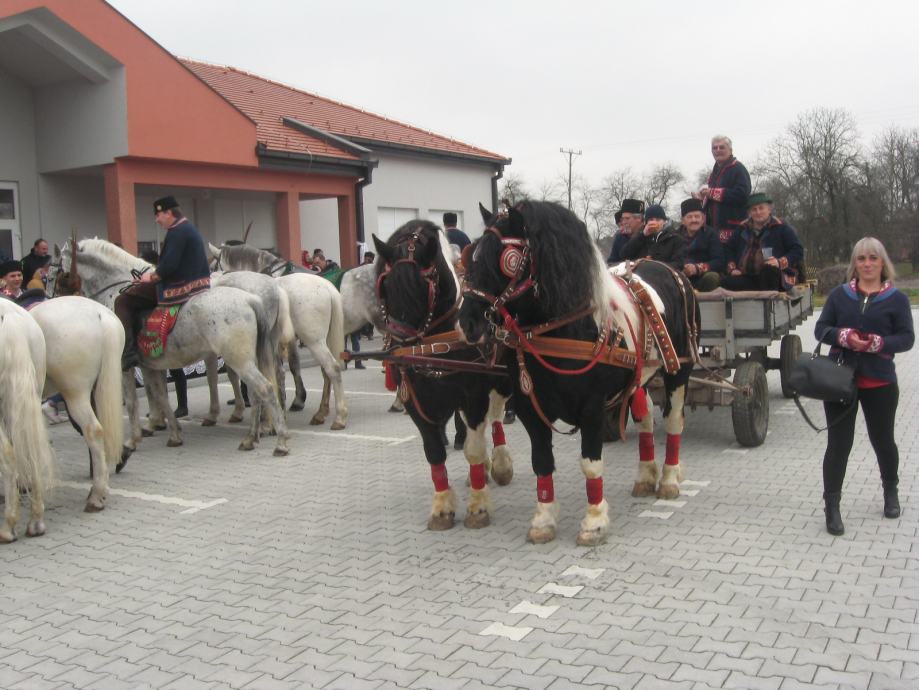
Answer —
(765, 252)
(725, 193)
(181, 273)
(630, 220)
(703, 261)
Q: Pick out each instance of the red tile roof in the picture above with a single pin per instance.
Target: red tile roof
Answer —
(267, 102)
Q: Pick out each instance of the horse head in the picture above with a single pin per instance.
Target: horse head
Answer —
(415, 282)
(64, 278)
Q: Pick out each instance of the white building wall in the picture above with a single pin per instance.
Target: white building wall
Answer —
(17, 153)
(72, 202)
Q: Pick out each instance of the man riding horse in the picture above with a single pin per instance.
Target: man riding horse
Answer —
(181, 273)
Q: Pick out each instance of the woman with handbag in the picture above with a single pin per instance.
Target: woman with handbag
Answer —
(866, 320)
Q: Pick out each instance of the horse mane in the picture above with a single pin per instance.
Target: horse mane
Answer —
(570, 270)
(443, 259)
(112, 252)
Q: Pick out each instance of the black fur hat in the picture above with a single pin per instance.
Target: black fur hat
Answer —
(10, 266)
(633, 206)
(165, 204)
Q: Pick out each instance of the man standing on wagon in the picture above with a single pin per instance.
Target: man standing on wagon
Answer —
(181, 273)
(725, 194)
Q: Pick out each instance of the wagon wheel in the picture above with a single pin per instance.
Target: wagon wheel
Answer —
(750, 413)
(791, 348)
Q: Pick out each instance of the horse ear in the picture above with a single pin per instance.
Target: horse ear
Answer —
(486, 214)
(518, 223)
(383, 249)
(57, 251)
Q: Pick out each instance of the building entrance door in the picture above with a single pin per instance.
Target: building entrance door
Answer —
(10, 236)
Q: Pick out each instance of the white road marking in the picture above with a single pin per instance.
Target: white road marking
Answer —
(689, 492)
(292, 389)
(590, 573)
(737, 451)
(532, 609)
(690, 482)
(389, 440)
(561, 590)
(662, 503)
(191, 505)
(655, 514)
(513, 633)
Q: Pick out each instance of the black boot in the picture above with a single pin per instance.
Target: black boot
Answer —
(129, 358)
(833, 519)
(891, 500)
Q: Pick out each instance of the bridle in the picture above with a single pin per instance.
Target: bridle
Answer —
(517, 263)
(402, 332)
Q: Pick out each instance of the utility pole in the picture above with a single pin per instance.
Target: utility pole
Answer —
(570, 153)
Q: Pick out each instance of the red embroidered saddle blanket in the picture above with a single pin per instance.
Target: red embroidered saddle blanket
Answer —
(151, 341)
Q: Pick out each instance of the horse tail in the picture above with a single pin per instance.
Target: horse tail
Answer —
(107, 394)
(335, 338)
(287, 333)
(266, 340)
(26, 449)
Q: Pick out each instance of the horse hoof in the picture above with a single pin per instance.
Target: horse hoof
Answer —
(643, 489)
(296, 407)
(234, 419)
(93, 508)
(668, 492)
(7, 537)
(159, 427)
(208, 422)
(592, 538)
(337, 426)
(125, 454)
(246, 445)
(36, 528)
(541, 535)
(477, 520)
(439, 523)
(281, 452)
(172, 443)
(146, 433)
(317, 421)
(397, 410)
(502, 478)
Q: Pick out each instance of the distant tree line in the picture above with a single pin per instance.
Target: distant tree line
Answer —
(823, 179)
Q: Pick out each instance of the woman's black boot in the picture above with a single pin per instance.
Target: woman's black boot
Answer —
(891, 500)
(833, 519)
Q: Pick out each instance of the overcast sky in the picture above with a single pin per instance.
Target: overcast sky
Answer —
(628, 84)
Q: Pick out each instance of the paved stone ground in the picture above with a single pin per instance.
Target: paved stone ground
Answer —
(317, 570)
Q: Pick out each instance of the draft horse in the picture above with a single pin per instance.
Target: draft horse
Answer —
(580, 338)
(419, 293)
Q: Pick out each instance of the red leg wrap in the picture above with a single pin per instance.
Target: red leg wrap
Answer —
(477, 476)
(497, 434)
(673, 449)
(595, 490)
(439, 476)
(390, 377)
(545, 489)
(639, 404)
(645, 446)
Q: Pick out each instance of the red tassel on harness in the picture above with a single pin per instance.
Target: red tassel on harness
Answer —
(545, 489)
(477, 476)
(595, 490)
(673, 449)
(646, 446)
(390, 377)
(439, 476)
(497, 434)
(639, 404)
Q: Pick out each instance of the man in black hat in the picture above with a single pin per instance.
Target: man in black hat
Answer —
(630, 220)
(181, 273)
(658, 240)
(11, 275)
(454, 234)
(704, 259)
(725, 193)
(765, 253)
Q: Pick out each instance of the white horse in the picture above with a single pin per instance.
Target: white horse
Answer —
(222, 321)
(84, 341)
(316, 312)
(25, 453)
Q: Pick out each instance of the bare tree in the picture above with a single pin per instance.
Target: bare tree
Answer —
(657, 184)
(512, 188)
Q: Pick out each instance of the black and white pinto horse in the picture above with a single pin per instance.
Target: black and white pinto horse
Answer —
(535, 265)
(419, 292)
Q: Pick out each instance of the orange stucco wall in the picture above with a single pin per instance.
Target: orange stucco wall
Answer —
(171, 113)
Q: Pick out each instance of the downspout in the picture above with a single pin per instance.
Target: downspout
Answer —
(494, 187)
(359, 200)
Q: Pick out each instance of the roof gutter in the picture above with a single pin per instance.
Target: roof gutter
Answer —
(499, 173)
(359, 201)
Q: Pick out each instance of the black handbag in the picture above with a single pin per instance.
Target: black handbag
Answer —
(824, 378)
